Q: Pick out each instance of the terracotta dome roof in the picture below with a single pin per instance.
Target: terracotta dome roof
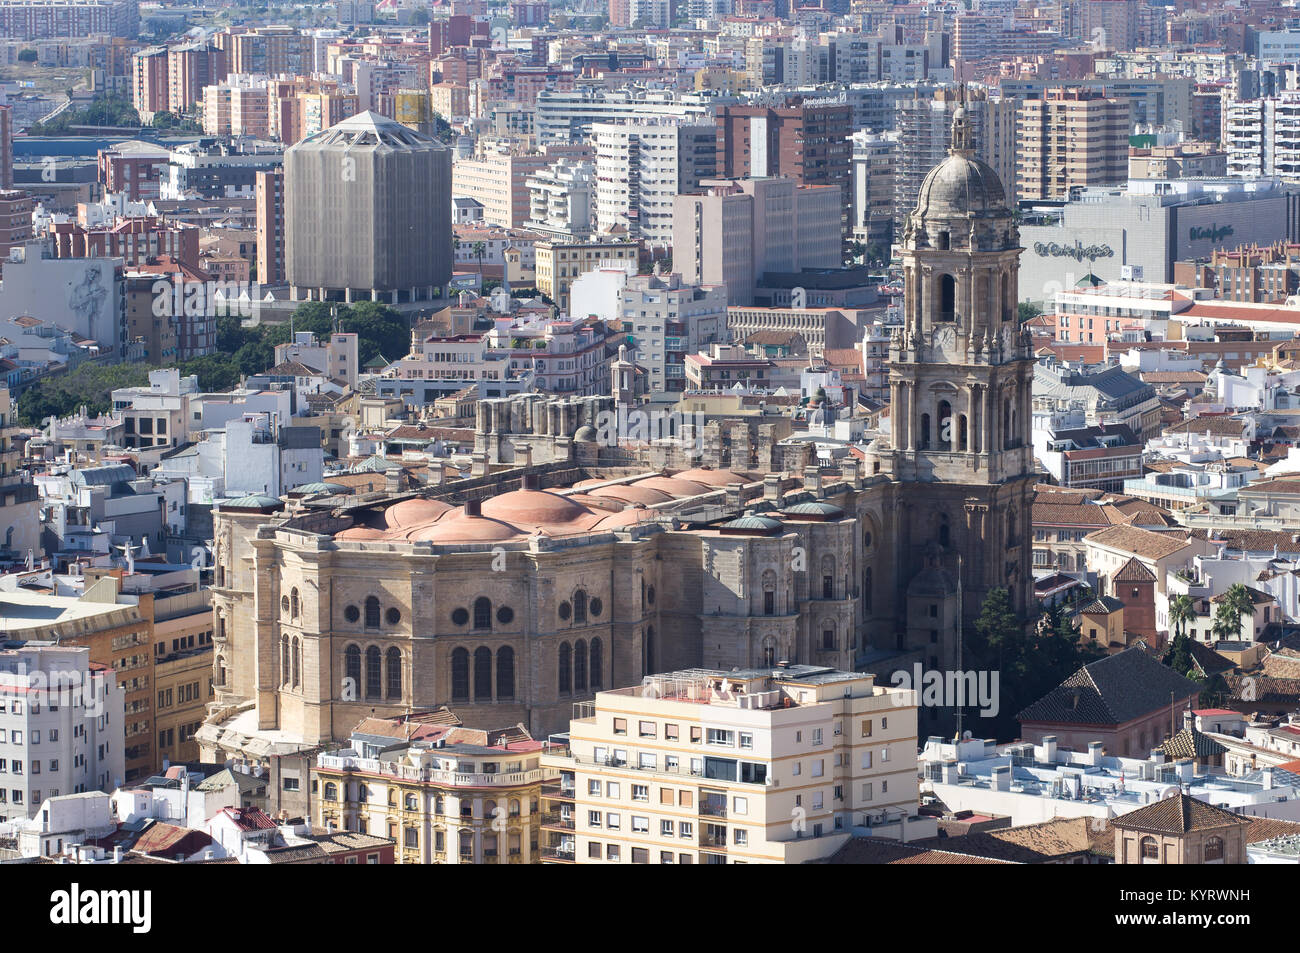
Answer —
(674, 486)
(711, 477)
(634, 493)
(361, 533)
(413, 512)
(459, 527)
(627, 517)
(533, 507)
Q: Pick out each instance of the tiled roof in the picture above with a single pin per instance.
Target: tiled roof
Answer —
(1217, 425)
(1139, 542)
(1178, 814)
(1028, 844)
(1190, 743)
(1134, 571)
(878, 850)
(1111, 691)
(1078, 515)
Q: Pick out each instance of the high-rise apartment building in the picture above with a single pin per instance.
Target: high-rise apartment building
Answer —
(562, 200)
(805, 140)
(270, 227)
(641, 167)
(736, 231)
(56, 19)
(709, 766)
(190, 68)
(1071, 138)
(149, 82)
(6, 146)
(1262, 136)
(497, 178)
(871, 208)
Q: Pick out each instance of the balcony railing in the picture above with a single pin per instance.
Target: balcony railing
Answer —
(556, 819)
(561, 854)
(558, 792)
(713, 808)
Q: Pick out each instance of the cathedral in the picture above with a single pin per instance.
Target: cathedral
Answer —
(512, 595)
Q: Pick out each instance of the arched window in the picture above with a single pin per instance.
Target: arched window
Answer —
(580, 666)
(394, 673)
(297, 663)
(769, 653)
(925, 431)
(946, 424)
(649, 649)
(945, 534)
(372, 612)
(769, 593)
(866, 589)
(565, 660)
(828, 577)
(962, 432)
(460, 675)
(505, 672)
(1214, 849)
(284, 660)
(284, 605)
(482, 613)
(1150, 849)
(221, 670)
(579, 607)
(352, 668)
(374, 677)
(482, 674)
(947, 298)
(597, 662)
(331, 791)
(514, 807)
(294, 603)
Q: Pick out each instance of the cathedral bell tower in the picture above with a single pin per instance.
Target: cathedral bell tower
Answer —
(960, 377)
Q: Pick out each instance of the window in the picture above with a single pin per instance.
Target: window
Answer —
(373, 674)
(740, 805)
(483, 674)
(740, 837)
(866, 759)
(372, 612)
(594, 817)
(640, 825)
(482, 613)
(593, 850)
(818, 768)
(816, 736)
(505, 672)
(720, 736)
(641, 792)
(593, 786)
(597, 664)
(611, 852)
(1150, 849)
(746, 740)
(580, 666)
(394, 672)
(866, 728)
(620, 726)
(666, 829)
(460, 674)
(686, 829)
(564, 668)
(670, 732)
(647, 761)
(352, 667)
(647, 729)
(613, 820)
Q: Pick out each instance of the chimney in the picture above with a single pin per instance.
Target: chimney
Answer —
(473, 507)
(1267, 776)
(1047, 750)
(1095, 752)
(1157, 756)
(812, 479)
(851, 470)
(772, 487)
(117, 855)
(530, 482)
(1001, 780)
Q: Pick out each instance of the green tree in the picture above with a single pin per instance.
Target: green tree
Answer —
(27, 56)
(1028, 310)
(88, 385)
(1236, 603)
(479, 248)
(1180, 657)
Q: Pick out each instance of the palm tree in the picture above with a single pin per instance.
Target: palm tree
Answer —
(1238, 601)
(1182, 610)
(479, 248)
(1227, 623)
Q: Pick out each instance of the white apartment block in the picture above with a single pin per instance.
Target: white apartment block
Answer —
(1262, 136)
(61, 726)
(641, 167)
(562, 200)
(669, 319)
(714, 767)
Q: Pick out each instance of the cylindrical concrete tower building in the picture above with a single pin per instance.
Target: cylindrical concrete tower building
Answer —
(367, 213)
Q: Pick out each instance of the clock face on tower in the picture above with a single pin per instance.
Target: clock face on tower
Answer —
(944, 343)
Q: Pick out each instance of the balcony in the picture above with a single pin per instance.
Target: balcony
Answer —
(558, 792)
(714, 838)
(713, 807)
(558, 854)
(555, 820)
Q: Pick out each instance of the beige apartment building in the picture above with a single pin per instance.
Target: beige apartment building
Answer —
(771, 765)
(1070, 138)
(560, 263)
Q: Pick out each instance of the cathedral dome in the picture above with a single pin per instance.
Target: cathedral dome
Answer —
(961, 185)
